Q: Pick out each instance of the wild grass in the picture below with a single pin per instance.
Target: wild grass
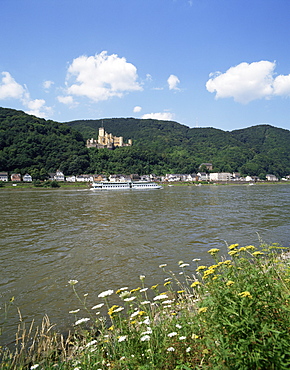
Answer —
(233, 314)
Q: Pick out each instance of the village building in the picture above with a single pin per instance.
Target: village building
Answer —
(27, 178)
(106, 140)
(15, 177)
(220, 176)
(4, 176)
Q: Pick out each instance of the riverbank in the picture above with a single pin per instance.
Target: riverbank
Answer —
(232, 314)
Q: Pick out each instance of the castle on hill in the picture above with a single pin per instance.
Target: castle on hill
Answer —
(106, 140)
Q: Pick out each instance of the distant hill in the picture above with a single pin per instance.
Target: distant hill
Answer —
(256, 150)
(38, 146)
(34, 145)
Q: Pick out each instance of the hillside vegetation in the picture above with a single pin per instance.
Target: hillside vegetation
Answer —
(38, 146)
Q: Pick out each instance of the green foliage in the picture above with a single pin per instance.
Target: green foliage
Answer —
(36, 146)
(168, 147)
(231, 315)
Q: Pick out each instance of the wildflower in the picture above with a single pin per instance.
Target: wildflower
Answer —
(201, 268)
(154, 286)
(91, 343)
(194, 284)
(232, 253)
(178, 326)
(188, 349)
(111, 327)
(145, 302)
(180, 262)
(146, 321)
(168, 301)
(74, 311)
(148, 331)
(121, 289)
(227, 262)
(98, 306)
(143, 290)
(242, 249)
(106, 293)
(180, 291)
(194, 336)
(136, 313)
(196, 259)
(129, 299)
(208, 272)
(182, 338)
(245, 294)
(142, 277)
(184, 265)
(160, 296)
(121, 338)
(250, 247)
(163, 265)
(145, 338)
(257, 253)
(167, 282)
(233, 246)
(80, 321)
(229, 283)
(213, 251)
(71, 282)
(202, 309)
(170, 335)
(119, 309)
(34, 366)
(135, 290)
(170, 349)
(124, 294)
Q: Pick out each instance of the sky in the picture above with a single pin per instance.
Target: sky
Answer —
(202, 63)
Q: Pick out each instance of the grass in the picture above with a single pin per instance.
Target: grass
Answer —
(233, 314)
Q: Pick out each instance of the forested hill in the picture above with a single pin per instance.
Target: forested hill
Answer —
(38, 146)
(34, 145)
(256, 150)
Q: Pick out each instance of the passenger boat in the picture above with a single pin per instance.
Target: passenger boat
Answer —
(138, 185)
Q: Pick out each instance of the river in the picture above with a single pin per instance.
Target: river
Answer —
(106, 240)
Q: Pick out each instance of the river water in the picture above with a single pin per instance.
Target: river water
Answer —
(106, 240)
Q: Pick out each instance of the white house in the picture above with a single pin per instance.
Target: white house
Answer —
(220, 176)
(27, 178)
(202, 176)
(270, 177)
(3, 176)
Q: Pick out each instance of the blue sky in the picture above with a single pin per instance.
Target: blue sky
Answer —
(205, 63)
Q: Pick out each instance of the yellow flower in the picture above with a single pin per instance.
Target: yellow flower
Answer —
(202, 309)
(250, 247)
(135, 290)
(245, 294)
(194, 336)
(233, 246)
(208, 272)
(242, 249)
(227, 262)
(257, 253)
(111, 327)
(154, 286)
(180, 291)
(232, 253)
(213, 251)
(133, 322)
(167, 282)
(194, 284)
(230, 282)
(201, 268)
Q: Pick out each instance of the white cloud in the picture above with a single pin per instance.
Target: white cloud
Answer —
(165, 116)
(47, 84)
(68, 100)
(9, 88)
(173, 81)
(282, 85)
(137, 109)
(102, 76)
(244, 82)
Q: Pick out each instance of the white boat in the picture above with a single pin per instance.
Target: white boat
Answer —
(125, 185)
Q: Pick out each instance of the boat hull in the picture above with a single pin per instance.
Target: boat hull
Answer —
(134, 185)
